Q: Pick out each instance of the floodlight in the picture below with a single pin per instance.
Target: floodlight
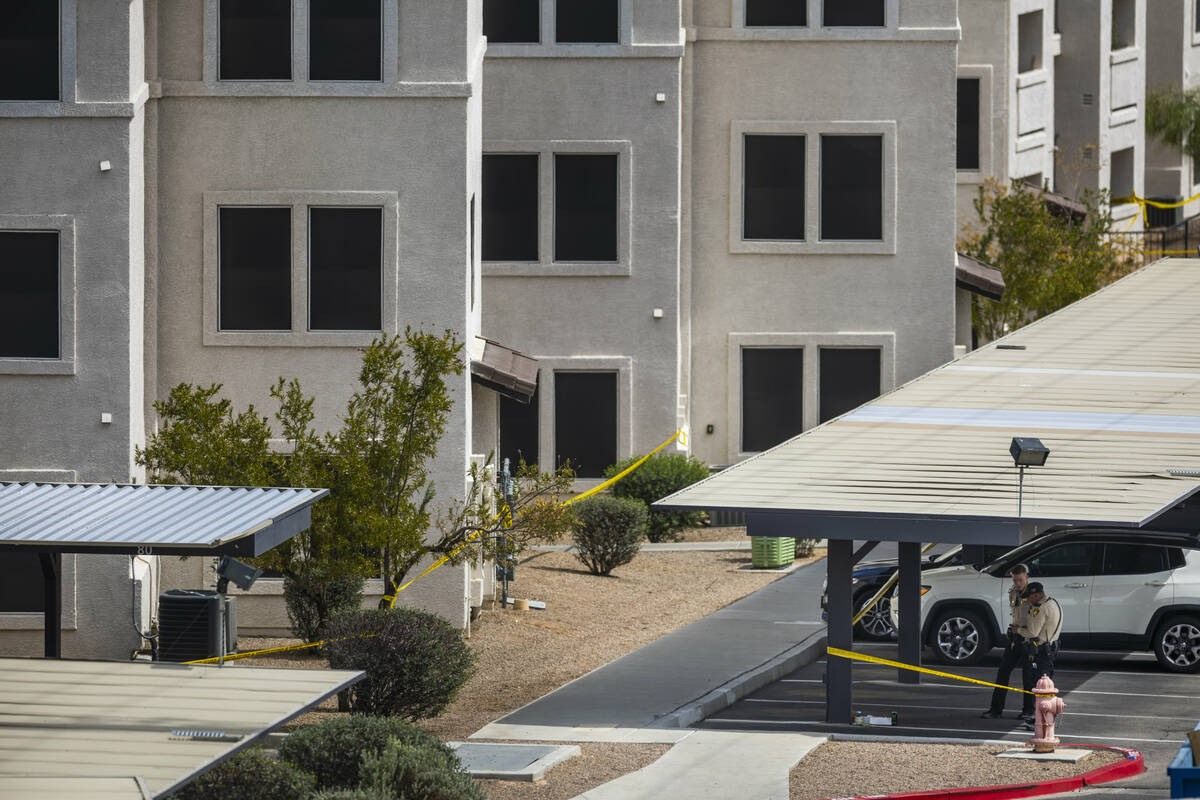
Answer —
(1028, 452)
(241, 573)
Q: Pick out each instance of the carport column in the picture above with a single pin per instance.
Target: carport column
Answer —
(52, 600)
(910, 610)
(838, 696)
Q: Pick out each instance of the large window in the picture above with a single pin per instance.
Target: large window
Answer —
(850, 376)
(255, 40)
(853, 14)
(585, 421)
(512, 21)
(345, 263)
(510, 207)
(586, 21)
(967, 152)
(851, 187)
(585, 207)
(773, 191)
(776, 13)
(518, 432)
(772, 396)
(21, 583)
(256, 269)
(345, 40)
(29, 294)
(29, 50)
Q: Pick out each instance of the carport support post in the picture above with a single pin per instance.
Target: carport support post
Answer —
(910, 610)
(838, 691)
(52, 603)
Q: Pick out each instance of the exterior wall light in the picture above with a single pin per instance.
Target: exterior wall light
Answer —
(1028, 452)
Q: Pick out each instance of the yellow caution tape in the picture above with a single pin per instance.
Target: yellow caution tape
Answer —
(834, 651)
(887, 587)
(597, 489)
(286, 648)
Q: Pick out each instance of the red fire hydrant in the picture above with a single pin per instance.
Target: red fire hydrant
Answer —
(1046, 711)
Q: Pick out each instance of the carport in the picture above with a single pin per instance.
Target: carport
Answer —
(1110, 384)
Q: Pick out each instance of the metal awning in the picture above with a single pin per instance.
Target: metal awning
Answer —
(134, 729)
(503, 370)
(978, 277)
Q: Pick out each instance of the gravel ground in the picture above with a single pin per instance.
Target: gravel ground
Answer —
(836, 769)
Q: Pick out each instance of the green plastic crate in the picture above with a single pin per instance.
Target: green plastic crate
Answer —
(772, 551)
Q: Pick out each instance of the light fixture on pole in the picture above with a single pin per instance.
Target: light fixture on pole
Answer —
(1026, 452)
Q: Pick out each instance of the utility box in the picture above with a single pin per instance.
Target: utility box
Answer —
(772, 551)
(189, 624)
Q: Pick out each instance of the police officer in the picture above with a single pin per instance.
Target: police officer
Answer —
(1014, 649)
(1042, 627)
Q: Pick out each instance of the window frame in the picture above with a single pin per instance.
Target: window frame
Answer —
(292, 51)
(300, 335)
(545, 264)
(982, 73)
(816, 28)
(64, 225)
(67, 67)
(309, 264)
(812, 216)
(547, 45)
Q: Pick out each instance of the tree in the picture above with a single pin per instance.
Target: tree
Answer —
(1173, 117)
(1047, 261)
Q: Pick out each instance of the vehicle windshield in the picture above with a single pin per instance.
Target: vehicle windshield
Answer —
(946, 558)
(1013, 556)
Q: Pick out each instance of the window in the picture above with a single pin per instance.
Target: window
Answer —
(852, 187)
(1065, 560)
(586, 21)
(255, 262)
(345, 40)
(968, 124)
(29, 51)
(1124, 24)
(777, 13)
(1121, 173)
(512, 21)
(1196, 16)
(510, 207)
(853, 14)
(585, 421)
(255, 40)
(850, 376)
(1029, 41)
(585, 207)
(345, 263)
(518, 431)
(1196, 163)
(773, 191)
(21, 583)
(772, 396)
(1133, 559)
(29, 301)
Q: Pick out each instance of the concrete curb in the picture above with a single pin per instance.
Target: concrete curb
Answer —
(751, 680)
(533, 772)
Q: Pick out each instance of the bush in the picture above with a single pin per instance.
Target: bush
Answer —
(332, 750)
(313, 598)
(250, 775)
(608, 531)
(660, 476)
(805, 547)
(416, 662)
(418, 772)
(350, 794)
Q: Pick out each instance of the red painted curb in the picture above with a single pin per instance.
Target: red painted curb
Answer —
(1131, 765)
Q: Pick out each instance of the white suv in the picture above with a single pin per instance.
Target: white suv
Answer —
(1119, 590)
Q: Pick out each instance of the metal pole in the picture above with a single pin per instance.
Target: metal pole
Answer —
(838, 689)
(506, 491)
(52, 603)
(1020, 489)
(909, 600)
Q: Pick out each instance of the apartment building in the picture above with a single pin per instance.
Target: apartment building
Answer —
(1172, 59)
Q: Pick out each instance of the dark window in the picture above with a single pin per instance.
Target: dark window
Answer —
(1133, 559)
(345, 269)
(853, 14)
(585, 421)
(510, 208)
(256, 40)
(585, 207)
(513, 21)
(968, 123)
(255, 254)
(471, 277)
(777, 13)
(586, 21)
(849, 378)
(1065, 560)
(21, 583)
(345, 41)
(772, 394)
(852, 187)
(29, 50)
(773, 190)
(29, 294)
(1175, 558)
(518, 432)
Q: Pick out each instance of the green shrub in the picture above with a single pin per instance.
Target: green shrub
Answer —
(250, 775)
(608, 531)
(332, 750)
(313, 598)
(660, 476)
(415, 662)
(350, 794)
(418, 772)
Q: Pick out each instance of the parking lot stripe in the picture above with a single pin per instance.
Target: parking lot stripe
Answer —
(966, 708)
(1065, 692)
(1023, 734)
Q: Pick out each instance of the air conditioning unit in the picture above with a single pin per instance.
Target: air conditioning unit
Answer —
(189, 624)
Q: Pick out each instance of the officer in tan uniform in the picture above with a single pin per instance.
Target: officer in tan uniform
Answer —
(1014, 649)
(1041, 628)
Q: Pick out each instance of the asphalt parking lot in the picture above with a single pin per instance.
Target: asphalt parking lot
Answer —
(1122, 699)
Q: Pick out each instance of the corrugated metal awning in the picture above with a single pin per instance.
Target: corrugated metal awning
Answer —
(112, 729)
(167, 520)
(1111, 384)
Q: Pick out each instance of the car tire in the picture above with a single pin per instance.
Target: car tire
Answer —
(959, 637)
(876, 625)
(1177, 643)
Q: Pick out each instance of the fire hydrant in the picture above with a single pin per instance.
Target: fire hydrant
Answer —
(1047, 709)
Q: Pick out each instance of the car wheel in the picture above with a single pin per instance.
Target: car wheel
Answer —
(1177, 644)
(876, 624)
(960, 637)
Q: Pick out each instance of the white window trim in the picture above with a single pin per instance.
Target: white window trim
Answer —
(300, 85)
(66, 74)
(983, 72)
(885, 341)
(546, 265)
(812, 132)
(548, 47)
(65, 226)
(299, 202)
(815, 28)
